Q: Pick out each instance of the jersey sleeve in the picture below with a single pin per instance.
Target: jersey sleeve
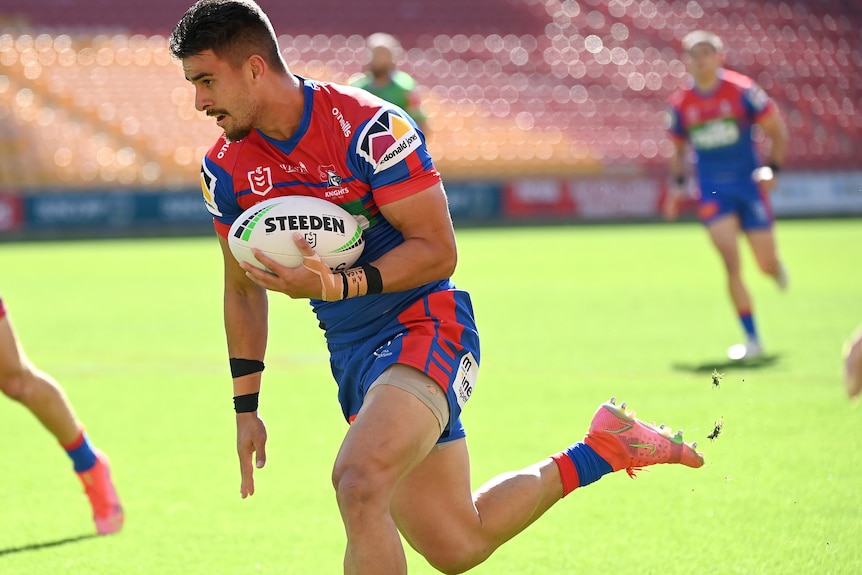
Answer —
(674, 123)
(219, 196)
(390, 155)
(757, 103)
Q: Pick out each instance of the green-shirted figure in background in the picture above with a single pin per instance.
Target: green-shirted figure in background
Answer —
(382, 79)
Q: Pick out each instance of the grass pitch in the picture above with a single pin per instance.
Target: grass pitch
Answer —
(569, 316)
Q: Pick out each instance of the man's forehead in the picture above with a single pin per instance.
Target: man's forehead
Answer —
(197, 62)
(702, 48)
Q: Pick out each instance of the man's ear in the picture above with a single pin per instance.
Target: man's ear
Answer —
(256, 67)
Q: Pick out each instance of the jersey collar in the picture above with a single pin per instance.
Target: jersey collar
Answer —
(287, 146)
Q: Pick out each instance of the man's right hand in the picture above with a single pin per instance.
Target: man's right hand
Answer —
(250, 442)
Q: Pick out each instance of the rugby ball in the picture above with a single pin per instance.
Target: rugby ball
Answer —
(332, 232)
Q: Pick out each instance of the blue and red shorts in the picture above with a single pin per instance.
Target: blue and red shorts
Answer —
(436, 335)
(746, 200)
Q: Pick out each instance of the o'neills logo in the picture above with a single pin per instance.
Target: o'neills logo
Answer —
(303, 224)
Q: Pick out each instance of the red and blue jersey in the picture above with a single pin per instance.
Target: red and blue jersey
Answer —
(352, 149)
(718, 126)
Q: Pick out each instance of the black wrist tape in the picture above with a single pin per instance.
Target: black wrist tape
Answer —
(240, 367)
(345, 285)
(245, 403)
(373, 279)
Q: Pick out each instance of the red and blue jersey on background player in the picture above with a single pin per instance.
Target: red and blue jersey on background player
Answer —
(718, 125)
(360, 152)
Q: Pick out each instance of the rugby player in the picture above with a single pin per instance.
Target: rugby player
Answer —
(715, 116)
(403, 344)
(21, 381)
(382, 79)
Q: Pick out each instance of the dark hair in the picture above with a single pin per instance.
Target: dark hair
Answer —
(233, 29)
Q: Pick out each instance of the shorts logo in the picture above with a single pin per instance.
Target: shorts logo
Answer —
(465, 379)
(260, 180)
(208, 186)
(707, 210)
(387, 139)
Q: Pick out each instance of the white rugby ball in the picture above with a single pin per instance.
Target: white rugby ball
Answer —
(331, 231)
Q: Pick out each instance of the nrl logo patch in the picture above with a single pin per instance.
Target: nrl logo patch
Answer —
(260, 180)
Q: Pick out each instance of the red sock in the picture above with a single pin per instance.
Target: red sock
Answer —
(75, 443)
(568, 473)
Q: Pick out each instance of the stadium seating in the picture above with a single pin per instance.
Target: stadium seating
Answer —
(89, 94)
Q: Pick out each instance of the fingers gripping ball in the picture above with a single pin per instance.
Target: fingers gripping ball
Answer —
(332, 232)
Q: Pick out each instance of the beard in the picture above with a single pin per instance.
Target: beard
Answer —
(237, 133)
(235, 129)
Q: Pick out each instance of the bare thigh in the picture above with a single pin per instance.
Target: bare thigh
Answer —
(763, 246)
(724, 233)
(12, 357)
(433, 505)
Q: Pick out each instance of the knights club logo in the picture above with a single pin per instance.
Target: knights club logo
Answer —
(260, 180)
(327, 174)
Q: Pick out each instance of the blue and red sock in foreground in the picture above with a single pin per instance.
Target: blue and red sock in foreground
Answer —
(580, 465)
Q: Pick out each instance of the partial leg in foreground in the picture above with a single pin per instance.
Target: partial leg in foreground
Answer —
(21, 381)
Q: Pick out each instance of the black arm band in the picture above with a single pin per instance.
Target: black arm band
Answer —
(240, 367)
(774, 167)
(245, 403)
(679, 180)
(373, 279)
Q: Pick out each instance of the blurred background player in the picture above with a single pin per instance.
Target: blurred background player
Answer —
(37, 391)
(382, 79)
(716, 116)
(853, 364)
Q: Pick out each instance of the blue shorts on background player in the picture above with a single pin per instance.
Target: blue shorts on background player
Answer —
(715, 116)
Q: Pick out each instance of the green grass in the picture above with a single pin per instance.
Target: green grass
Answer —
(132, 330)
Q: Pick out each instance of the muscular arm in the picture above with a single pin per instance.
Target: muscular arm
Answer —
(776, 131)
(429, 252)
(670, 209)
(245, 325)
(245, 319)
(677, 160)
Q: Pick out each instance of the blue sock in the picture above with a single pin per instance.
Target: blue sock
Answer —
(81, 453)
(746, 318)
(587, 462)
